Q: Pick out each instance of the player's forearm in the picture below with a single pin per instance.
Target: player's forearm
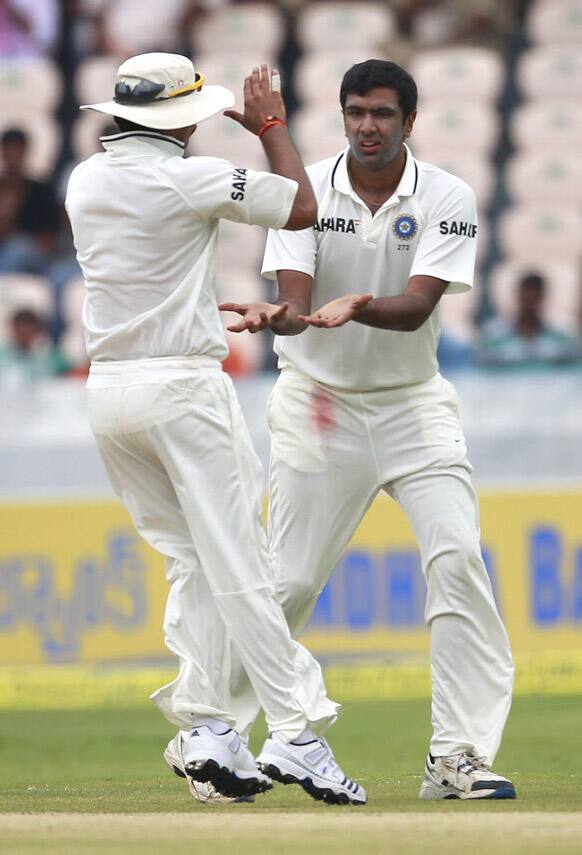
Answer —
(405, 313)
(284, 160)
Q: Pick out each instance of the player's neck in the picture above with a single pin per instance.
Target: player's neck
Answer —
(377, 182)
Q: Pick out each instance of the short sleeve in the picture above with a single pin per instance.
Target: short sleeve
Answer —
(287, 250)
(217, 189)
(447, 246)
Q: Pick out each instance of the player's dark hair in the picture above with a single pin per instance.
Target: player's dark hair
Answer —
(125, 125)
(364, 76)
(14, 135)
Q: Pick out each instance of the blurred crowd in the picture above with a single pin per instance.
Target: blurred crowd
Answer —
(526, 311)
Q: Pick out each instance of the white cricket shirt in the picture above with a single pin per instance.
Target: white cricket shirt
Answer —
(427, 227)
(145, 225)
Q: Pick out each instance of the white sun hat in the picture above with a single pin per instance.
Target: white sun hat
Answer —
(163, 91)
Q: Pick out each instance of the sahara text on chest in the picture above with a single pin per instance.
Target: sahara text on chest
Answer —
(336, 224)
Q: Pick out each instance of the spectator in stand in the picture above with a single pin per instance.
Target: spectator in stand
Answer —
(443, 23)
(527, 341)
(31, 225)
(29, 354)
(28, 28)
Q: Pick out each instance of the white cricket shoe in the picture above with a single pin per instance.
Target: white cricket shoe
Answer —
(202, 792)
(223, 761)
(313, 767)
(463, 776)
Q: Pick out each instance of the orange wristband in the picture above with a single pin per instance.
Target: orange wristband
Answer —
(270, 122)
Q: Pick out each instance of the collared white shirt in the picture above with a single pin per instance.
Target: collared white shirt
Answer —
(145, 226)
(427, 227)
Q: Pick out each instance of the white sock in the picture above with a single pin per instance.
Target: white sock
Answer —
(306, 736)
(216, 725)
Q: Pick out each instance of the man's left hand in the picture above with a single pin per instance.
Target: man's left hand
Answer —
(338, 312)
(255, 316)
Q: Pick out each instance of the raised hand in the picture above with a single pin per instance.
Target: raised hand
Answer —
(255, 316)
(262, 98)
(338, 312)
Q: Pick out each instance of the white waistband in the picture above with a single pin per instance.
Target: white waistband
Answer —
(162, 369)
(155, 365)
(289, 370)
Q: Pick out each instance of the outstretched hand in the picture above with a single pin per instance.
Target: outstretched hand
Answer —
(262, 98)
(255, 316)
(338, 312)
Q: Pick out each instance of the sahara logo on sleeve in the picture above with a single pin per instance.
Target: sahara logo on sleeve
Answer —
(239, 184)
(458, 228)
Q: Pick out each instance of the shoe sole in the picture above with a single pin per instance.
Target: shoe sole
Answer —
(321, 794)
(501, 793)
(237, 800)
(224, 780)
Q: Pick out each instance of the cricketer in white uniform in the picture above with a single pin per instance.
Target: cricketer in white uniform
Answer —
(360, 407)
(166, 419)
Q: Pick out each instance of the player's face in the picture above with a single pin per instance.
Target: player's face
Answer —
(375, 127)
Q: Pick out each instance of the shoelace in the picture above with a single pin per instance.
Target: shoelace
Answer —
(467, 764)
(329, 761)
(331, 765)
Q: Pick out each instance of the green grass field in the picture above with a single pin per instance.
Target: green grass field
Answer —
(58, 766)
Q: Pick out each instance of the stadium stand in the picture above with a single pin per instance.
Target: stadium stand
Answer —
(29, 85)
(547, 71)
(23, 289)
(127, 30)
(317, 74)
(44, 136)
(30, 91)
(499, 108)
(73, 339)
(536, 228)
(93, 78)
(345, 26)
(542, 125)
(534, 177)
(555, 22)
(459, 74)
(455, 127)
(240, 28)
(545, 231)
(318, 132)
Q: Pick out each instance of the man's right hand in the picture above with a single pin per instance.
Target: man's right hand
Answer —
(255, 316)
(262, 99)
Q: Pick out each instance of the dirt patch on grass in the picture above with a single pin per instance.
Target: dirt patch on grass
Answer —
(223, 831)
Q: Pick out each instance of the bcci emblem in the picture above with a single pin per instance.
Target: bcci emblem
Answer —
(404, 227)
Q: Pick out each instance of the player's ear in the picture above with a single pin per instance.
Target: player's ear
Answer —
(409, 122)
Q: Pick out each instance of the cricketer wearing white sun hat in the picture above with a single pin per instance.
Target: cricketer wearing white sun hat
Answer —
(163, 91)
(145, 221)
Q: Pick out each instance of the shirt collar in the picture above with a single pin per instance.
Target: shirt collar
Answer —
(407, 186)
(142, 144)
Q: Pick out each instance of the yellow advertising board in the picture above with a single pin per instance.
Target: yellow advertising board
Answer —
(78, 585)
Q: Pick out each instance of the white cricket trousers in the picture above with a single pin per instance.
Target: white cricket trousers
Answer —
(331, 453)
(177, 451)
